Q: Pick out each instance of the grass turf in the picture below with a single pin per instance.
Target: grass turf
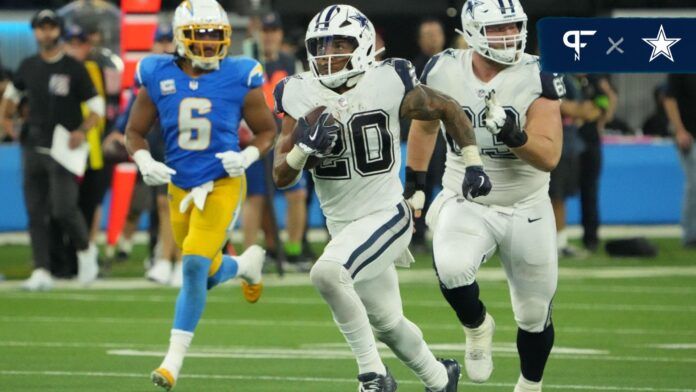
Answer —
(608, 329)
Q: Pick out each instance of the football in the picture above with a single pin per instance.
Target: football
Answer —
(312, 117)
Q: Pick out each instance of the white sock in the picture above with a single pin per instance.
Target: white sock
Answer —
(406, 341)
(528, 386)
(179, 343)
(361, 340)
(432, 373)
(562, 239)
(336, 287)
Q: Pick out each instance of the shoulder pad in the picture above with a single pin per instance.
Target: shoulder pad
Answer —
(147, 69)
(552, 85)
(278, 95)
(251, 71)
(405, 70)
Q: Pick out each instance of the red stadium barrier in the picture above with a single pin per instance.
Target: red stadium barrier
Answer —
(122, 185)
(138, 32)
(141, 6)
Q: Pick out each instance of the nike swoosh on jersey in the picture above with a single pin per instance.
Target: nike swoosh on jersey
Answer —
(530, 220)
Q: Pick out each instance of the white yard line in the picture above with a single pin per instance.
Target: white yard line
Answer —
(425, 276)
(329, 324)
(144, 376)
(315, 301)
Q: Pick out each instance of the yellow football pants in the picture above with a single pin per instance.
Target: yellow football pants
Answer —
(203, 233)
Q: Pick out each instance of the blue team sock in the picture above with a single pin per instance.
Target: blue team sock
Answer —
(228, 270)
(191, 300)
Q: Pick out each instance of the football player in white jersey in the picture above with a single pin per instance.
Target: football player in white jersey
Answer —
(357, 181)
(515, 110)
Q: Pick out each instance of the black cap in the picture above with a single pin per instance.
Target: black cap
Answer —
(164, 33)
(46, 16)
(271, 20)
(77, 32)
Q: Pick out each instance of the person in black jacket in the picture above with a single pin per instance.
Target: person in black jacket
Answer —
(55, 86)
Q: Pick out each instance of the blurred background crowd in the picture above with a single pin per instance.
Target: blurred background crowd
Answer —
(598, 109)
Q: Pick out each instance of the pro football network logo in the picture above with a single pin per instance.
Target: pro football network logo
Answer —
(576, 43)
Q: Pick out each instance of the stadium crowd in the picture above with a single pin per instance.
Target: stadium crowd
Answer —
(65, 212)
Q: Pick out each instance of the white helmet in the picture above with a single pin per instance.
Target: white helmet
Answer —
(193, 17)
(340, 21)
(477, 14)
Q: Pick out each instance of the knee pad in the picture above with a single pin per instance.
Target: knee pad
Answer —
(454, 272)
(328, 276)
(533, 314)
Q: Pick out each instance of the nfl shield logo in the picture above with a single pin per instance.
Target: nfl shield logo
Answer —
(193, 85)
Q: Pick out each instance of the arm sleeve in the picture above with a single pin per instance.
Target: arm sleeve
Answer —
(18, 79)
(552, 86)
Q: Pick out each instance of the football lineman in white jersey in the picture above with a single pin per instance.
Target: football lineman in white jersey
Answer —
(359, 189)
(515, 110)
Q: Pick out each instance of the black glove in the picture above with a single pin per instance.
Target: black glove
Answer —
(511, 134)
(476, 182)
(502, 123)
(318, 139)
(414, 189)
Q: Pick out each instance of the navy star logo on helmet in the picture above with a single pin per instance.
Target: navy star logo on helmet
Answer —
(360, 18)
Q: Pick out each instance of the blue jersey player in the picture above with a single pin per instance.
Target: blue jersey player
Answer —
(200, 96)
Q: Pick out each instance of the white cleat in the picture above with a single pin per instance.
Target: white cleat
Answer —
(524, 385)
(177, 275)
(39, 280)
(160, 272)
(87, 265)
(478, 359)
(250, 264)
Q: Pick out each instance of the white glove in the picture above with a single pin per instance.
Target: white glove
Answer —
(154, 172)
(494, 116)
(197, 195)
(417, 202)
(235, 163)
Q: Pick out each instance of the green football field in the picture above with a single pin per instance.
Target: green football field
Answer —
(621, 325)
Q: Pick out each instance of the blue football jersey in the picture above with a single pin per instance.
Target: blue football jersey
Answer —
(199, 116)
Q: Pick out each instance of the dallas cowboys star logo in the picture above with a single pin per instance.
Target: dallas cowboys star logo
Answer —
(470, 5)
(360, 18)
(661, 45)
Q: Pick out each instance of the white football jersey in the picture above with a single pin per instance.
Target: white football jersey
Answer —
(516, 87)
(361, 176)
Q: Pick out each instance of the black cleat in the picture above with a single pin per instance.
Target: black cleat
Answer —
(373, 382)
(454, 373)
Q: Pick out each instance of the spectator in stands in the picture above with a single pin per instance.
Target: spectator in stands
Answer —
(598, 89)
(658, 123)
(431, 41)
(575, 111)
(679, 105)
(4, 80)
(94, 182)
(56, 85)
(260, 189)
